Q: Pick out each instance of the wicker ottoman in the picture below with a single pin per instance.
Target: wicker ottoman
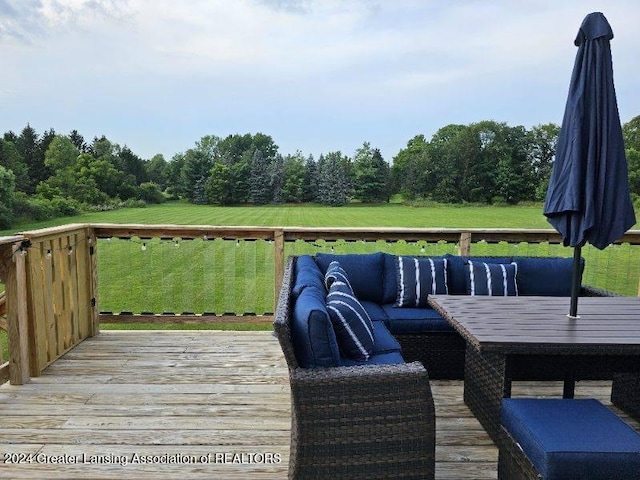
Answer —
(557, 439)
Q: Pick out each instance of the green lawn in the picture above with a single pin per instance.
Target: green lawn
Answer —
(211, 276)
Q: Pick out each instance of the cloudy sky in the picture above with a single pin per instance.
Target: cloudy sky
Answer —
(316, 75)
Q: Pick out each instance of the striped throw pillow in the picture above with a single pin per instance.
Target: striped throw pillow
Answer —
(334, 273)
(419, 277)
(492, 278)
(351, 322)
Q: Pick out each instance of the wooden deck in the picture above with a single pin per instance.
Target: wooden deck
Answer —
(193, 404)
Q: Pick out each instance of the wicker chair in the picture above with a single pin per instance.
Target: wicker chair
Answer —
(362, 422)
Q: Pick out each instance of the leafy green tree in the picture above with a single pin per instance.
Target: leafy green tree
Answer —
(543, 140)
(371, 175)
(61, 158)
(173, 175)
(157, 171)
(11, 160)
(631, 134)
(240, 174)
(295, 176)
(219, 186)
(194, 174)
(7, 195)
(410, 172)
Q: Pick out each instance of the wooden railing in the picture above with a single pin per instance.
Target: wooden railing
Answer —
(54, 283)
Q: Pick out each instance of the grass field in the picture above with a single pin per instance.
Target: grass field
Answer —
(237, 277)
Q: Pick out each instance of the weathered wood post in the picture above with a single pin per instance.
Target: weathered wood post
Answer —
(278, 262)
(13, 273)
(464, 245)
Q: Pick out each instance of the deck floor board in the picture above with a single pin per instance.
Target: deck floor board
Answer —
(185, 404)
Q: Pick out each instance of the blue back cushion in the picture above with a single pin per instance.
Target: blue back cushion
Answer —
(573, 439)
(457, 276)
(419, 277)
(351, 322)
(307, 274)
(545, 276)
(497, 279)
(365, 272)
(312, 334)
(389, 279)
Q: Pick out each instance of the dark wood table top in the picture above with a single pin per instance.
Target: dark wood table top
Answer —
(526, 324)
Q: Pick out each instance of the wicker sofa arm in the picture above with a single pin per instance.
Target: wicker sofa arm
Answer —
(372, 421)
(589, 291)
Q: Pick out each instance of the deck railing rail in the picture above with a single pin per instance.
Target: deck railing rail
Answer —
(62, 282)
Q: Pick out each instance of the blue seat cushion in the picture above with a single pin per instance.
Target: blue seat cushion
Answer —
(313, 337)
(545, 276)
(364, 271)
(457, 277)
(307, 274)
(387, 358)
(415, 320)
(573, 439)
(383, 341)
(375, 311)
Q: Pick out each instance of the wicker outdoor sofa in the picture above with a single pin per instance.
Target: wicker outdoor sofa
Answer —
(365, 410)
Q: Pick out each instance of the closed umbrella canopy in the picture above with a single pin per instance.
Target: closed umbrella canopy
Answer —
(588, 198)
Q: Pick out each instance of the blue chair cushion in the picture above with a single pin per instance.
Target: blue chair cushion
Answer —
(383, 341)
(313, 337)
(497, 279)
(573, 439)
(545, 276)
(389, 279)
(307, 274)
(457, 277)
(419, 277)
(387, 358)
(351, 322)
(415, 320)
(375, 311)
(364, 271)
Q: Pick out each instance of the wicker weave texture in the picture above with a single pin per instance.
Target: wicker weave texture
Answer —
(365, 422)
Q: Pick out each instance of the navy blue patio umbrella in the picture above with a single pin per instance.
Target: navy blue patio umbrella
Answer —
(588, 197)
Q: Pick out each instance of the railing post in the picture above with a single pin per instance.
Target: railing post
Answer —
(94, 324)
(13, 271)
(278, 262)
(464, 245)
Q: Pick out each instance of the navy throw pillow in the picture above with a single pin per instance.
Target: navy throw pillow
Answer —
(496, 279)
(335, 273)
(351, 322)
(419, 277)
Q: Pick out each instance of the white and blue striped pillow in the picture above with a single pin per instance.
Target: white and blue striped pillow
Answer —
(351, 322)
(498, 279)
(335, 273)
(419, 277)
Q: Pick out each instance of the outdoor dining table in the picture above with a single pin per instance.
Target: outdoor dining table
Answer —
(533, 338)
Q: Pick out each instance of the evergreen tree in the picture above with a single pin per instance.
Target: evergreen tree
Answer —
(11, 160)
(295, 173)
(371, 175)
(28, 148)
(334, 185)
(260, 180)
(310, 188)
(276, 179)
(218, 187)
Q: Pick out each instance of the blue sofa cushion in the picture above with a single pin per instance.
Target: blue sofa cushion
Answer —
(419, 277)
(545, 276)
(351, 322)
(576, 439)
(375, 311)
(390, 279)
(364, 271)
(415, 320)
(384, 342)
(307, 274)
(497, 279)
(387, 358)
(313, 337)
(457, 277)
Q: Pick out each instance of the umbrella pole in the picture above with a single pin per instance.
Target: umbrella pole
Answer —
(576, 282)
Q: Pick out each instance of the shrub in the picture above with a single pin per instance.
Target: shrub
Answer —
(150, 193)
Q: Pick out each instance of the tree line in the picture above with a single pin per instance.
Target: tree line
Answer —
(50, 175)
